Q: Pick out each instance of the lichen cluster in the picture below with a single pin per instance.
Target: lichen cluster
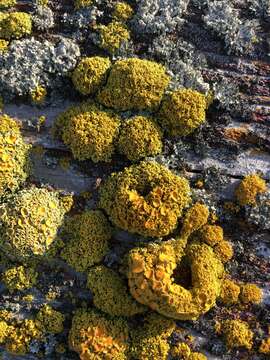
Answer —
(15, 25)
(248, 189)
(237, 333)
(19, 278)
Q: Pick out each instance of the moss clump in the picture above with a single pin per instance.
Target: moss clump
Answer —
(14, 164)
(211, 234)
(89, 132)
(50, 320)
(19, 278)
(82, 3)
(249, 188)
(134, 84)
(111, 293)
(265, 347)
(122, 11)
(224, 250)
(15, 25)
(88, 235)
(94, 336)
(195, 218)
(140, 137)
(229, 292)
(30, 221)
(151, 278)
(182, 112)
(237, 334)
(151, 340)
(7, 3)
(90, 74)
(146, 199)
(38, 94)
(113, 35)
(250, 294)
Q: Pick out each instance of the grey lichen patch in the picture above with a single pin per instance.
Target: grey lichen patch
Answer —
(43, 18)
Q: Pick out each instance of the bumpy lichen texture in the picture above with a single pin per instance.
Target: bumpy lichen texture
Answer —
(237, 334)
(211, 234)
(195, 217)
(151, 340)
(50, 320)
(30, 221)
(146, 199)
(82, 3)
(90, 74)
(122, 11)
(19, 278)
(250, 294)
(265, 347)
(111, 294)
(140, 137)
(88, 234)
(249, 188)
(182, 112)
(15, 25)
(229, 292)
(134, 84)
(89, 132)
(14, 164)
(38, 94)
(7, 3)
(3, 47)
(151, 272)
(113, 35)
(94, 336)
(224, 250)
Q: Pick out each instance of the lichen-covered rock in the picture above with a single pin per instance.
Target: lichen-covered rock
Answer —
(43, 18)
(248, 189)
(146, 199)
(15, 25)
(113, 35)
(140, 137)
(237, 334)
(19, 278)
(250, 294)
(134, 84)
(7, 3)
(122, 11)
(230, 291)
(88, 235)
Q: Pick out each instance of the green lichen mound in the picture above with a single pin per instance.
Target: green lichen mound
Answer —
(19, 278)
(182, 112)
(134, 84)
(111, 293)
(151, 340)
(140, 137)
(14, 163)
(113, 35)
(94, 336)
(50, 320)
(90, 74)
(146, 199)
(29, 222)
(15, 25)
(7, 3)
(89, 132)
(88, 235)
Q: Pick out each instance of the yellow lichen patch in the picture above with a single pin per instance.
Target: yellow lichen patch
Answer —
(94, 336)
(197, 356)
(14, 164)
(211, 234)
(140, 137)
(265, 347)
(182, 112)
(249, 188)
(88, 235)
(89, 132)
(38, 94)
(181, 351)
(229, 292)
(3, 331)
(7, 3)
(134, 84)
(122, 11)
(3, 48)
(19, 278)
(195, 218)
(151, 340)
(113, 35)
(153, 283)
(50, 320)
(30, 222)
(90, 74)
(237, 334)
(146, 199)
(15, 25)
(111, 293)
(224, 250)
(250, 294)
(82, 3)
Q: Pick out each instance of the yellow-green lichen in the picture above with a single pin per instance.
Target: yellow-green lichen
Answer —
(122, 11)
(195, 218)
(3, 47)
(38, 94)
(140, 137)
(250, 294)
(134, 84)
(265, 347)
(229, 292)
(94, 336)
(211, 234)
(15, 25)
(90, 133)
(151, 340)
(237, 333)
(14, 164)
(29, 222)
(88, 235)
(110, 293)
(7, 3)
(146, 199)
(197, 356)
(181, 351)
(19, 278)
(50, 320)
(90, 74)
(224, 250)
(82, 3)
(249, 188)
(182, 111)
(3, 331)
(113, 35)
